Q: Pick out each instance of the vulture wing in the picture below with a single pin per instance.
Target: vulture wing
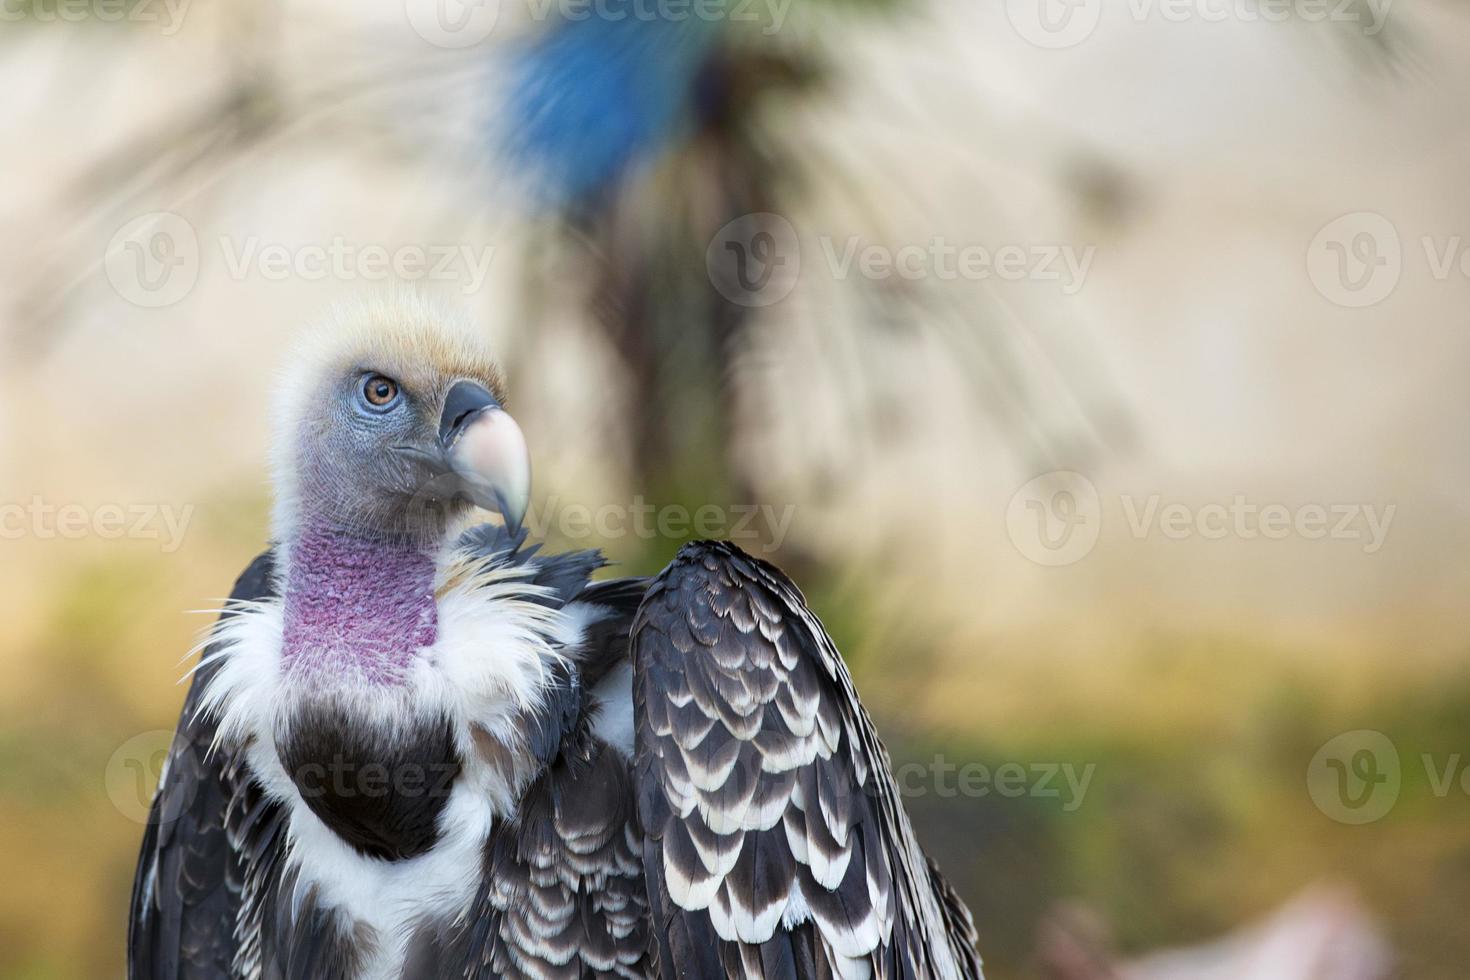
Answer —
(561, 888)
(209, 835)
(775, 843)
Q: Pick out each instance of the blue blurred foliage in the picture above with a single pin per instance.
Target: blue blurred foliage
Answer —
(596, 97)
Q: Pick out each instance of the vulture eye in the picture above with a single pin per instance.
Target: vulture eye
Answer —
(380, 391)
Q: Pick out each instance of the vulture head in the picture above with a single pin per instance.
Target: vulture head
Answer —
(390, 425)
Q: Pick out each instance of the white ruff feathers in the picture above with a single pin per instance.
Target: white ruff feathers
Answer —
(489, 665)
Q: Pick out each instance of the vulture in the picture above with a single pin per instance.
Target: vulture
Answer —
(420, 747)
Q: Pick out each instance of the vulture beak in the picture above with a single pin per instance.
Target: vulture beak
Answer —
(484, 447)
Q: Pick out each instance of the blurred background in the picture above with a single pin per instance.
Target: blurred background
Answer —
(1097, 368)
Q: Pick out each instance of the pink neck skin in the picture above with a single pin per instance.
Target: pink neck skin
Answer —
(356, 606)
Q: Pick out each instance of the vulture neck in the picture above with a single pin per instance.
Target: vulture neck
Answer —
(356, 606)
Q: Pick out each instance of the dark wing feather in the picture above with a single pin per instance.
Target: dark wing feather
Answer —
(775, 841)
(201, 845)
(960, 923)
(605, 644)
(561, 891)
